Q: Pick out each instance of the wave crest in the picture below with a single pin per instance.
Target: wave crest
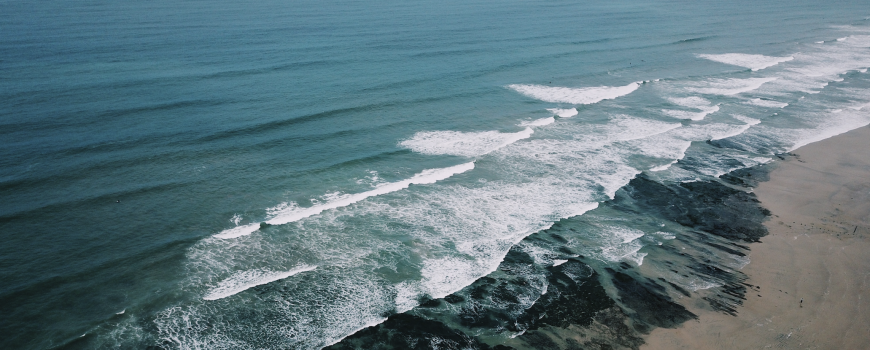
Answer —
(579, 96)
(466, 144)
(754, 62)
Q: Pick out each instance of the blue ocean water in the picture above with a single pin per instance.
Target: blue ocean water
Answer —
(163, 161)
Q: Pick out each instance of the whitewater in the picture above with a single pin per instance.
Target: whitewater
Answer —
(266, 176)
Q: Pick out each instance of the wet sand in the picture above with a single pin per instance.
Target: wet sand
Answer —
(818, 251)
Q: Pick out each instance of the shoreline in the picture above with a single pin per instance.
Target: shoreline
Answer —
(581, 301)
(809, 281)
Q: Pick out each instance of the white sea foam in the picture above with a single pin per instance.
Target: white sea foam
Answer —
(816, 69)
(691, 102)
(730, 86)
(833, 60)
(372, 179)
(542, 256)
(370, 323)
(663, 167)
(621, 243)
(745, 119)
(652, 139)
(247, 279)
(636, 258)
(805, 137)
(730, 131)
(406, 295)
(623, 128)
(690, 115)
(447, 275)
(320, 313)
(428, 176)
(580, 96)
(627, 235)
(487, 221)
(563, 113)
(238, 231)
(460, 232)
(811, 71)
(674, 144)
(577, 272)
(754, 62)
(713, 131)
(702, 105)
(767, 103)
(293, 213)
(726, 161)
(539, 122)
(466, 144)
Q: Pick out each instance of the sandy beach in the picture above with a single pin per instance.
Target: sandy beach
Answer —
(810, 277)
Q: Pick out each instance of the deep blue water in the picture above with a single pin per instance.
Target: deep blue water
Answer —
(144, 141)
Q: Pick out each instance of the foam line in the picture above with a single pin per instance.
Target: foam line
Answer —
(739, 130)
(664, 167)
(767, 103)
(749, 121)
(754, 62)
(466, 144)
(364, 326)
(563, 113)
(292, 214)
(821, 134)
(732, 86)
(243, 280)
(621, 243)
(428, 176)
(691, 115)
(238, 231)
(580, 96)
(539, 122)
(691, 102)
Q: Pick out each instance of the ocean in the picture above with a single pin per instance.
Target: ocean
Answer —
(391, 174)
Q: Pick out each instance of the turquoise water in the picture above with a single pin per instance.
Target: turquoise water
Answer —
(396, 151)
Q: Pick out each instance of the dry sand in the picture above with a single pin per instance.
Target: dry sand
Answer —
(818, 251)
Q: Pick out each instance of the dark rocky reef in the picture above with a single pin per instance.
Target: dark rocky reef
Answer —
(708, 206)
(406, 331)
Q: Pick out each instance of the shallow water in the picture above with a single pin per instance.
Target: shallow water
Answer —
(282, 175)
